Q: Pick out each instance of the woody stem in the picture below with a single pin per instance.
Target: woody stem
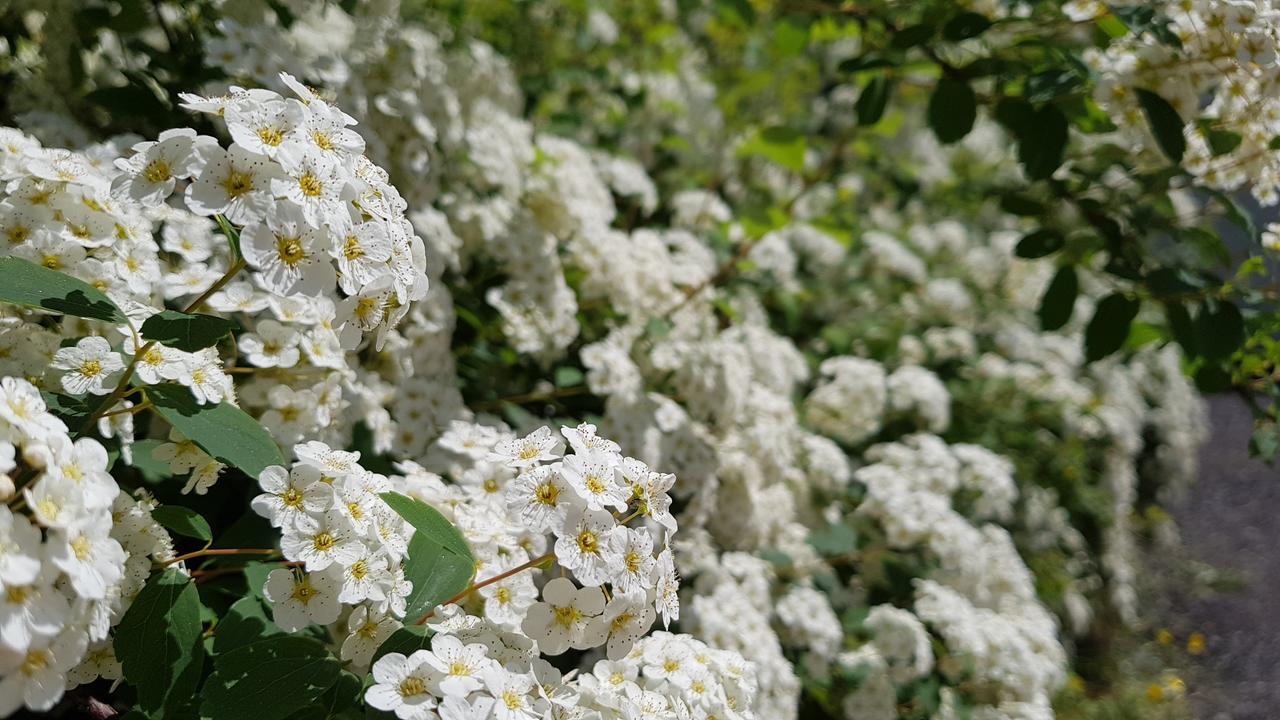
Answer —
(489, 581)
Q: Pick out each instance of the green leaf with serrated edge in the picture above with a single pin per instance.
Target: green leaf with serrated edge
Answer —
(1040, 243)
(873, 100)
(268, 679)
(30, 285)
(952, 110)
(223, 430)
(1109, 326)
(186, 332)
(158, 642)
(1165, 124)
(1059, 299)
(246, 621)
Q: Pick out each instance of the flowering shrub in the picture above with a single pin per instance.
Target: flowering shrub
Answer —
(368, 360)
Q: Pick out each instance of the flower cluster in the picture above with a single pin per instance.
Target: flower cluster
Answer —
(74, 551)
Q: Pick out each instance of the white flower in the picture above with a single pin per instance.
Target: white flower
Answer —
(585, 545)
(236, 183)
(363, 255)
(540, 498)
(160, 363)
(633, 567)
(92, 560)
(265, 127)
(287, 253)
(594, 476)
(19, 549)
(36, 677)
(367, 630)
(401, 685)
(625, 622)
(456, 708)
(314, 183)
(273, 345)
(329, 541)
(299, 599)
(90, 365)
(511, 694)
(150, 175)
(459, 666)
(668, 589)
(583, 439)
(292, 496)
(364, 577)
(31, 611)
(536, 447)
(563, 618)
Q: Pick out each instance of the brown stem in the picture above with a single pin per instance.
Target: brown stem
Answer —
(221, 551)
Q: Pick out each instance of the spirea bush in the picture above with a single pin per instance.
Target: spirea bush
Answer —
(685, 361)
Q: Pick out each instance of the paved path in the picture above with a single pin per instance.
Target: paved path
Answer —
(1230, 520)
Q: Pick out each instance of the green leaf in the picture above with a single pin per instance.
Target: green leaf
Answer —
(1040, 243)
(185, 332)
(406, 641)
(1219, 329)
(1165, 124)
(1043, 142)
(268, 679)
(836, 539)
(1021, 205)
(71, 410)
(440, 564)
(1059, 300)
(1109, 327)
(183, 521)
(158, 642)
(952, 110)
(223, 430)
(153, 471)
(1220, 141)
(965, 25)
(873, 100)
(781, 145)
(909, 37)
(30, 285)
(1181, 326)
(1050, 84)
(246, 621)
(568, 376)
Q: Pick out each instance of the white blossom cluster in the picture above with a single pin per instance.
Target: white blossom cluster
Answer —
(1221, 77)
(74, 552)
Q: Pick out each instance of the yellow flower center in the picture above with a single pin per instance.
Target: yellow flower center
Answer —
(671, 666)
(81, 547)
(503, 596)
(18, 233)
(289, 249)
(360, 570)
(351, 249)
(529, 452)
(595, 484)
(237, 183)
(621, 621)
(323, 542)
(460, 669)
(512, 700)
(546, 493)
(90, 368)
(588, 542)
(566, 616)
(632, 561)
(412, 686)
(310, 185)
(18, 594)
(53, 262)
(35, 661)
(321, 140)
(490, 485)
(157, 171)
(292, 498)
(153, 356)
(272, 136)
(303, 592)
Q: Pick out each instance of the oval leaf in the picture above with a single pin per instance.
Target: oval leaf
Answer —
(952, 110)
(223, 430)
(159, 643)
(1109, 327)
(1059, 299)
(1219, 329)
(186, 332)
(268, 679)
(25, 283)
(183, 521)
(440, 564)
(873, 100)
(1165, 124)
(1040, 243)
